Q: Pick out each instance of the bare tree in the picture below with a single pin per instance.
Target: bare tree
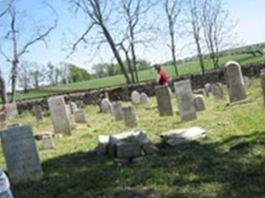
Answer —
(194, 15)
(37, 76)
(134, 12)
(172, 9)
(24, 76)
(215, 27)
(3, 93)
(98, 13)
(18, 52)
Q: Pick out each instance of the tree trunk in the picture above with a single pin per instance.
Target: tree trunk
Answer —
(173, 47)
(116, 53)
(14, 80)
(3, 94)
(200, 56)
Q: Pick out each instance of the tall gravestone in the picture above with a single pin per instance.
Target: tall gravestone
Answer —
(60, 119)
(21, 154)
(235, 82)
(38, 112)
(262, 76)
(130, 118)
(163, 101)
(185, 99)
(117, 110)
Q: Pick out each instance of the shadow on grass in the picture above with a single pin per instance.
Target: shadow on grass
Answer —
(234, 167)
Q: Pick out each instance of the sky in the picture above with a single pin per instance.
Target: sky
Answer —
(249, 15)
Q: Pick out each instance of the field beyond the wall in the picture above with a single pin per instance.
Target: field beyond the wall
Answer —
(145, 75)
(229, 162)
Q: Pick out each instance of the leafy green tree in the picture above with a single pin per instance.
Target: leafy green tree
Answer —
(78, 74)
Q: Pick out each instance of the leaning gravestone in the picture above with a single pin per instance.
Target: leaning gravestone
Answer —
(136, 97)
(199, 103)
(163, 101)
(60, 119)
(106, 106)
(38, 112)
(217, 91)
(185, 98)
(130, 118)
(235, 82)
(117, 110)
(262, 76)
(21, 154)
(80, 117)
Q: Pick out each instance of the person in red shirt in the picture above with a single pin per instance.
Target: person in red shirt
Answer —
(162, 75)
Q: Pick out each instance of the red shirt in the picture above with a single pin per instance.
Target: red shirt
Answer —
(163, 77)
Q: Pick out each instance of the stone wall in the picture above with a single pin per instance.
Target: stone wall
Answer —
(123, 93)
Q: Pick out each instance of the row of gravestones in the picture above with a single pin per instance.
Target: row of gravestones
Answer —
(19, 146)
(120, 113)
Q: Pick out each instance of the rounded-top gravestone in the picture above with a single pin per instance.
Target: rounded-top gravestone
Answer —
(136, 97)
(199, 103)
(106, 106)
(235, 82)
(144, 99)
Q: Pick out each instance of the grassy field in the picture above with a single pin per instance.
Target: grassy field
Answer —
(229, 162)
(146, 75)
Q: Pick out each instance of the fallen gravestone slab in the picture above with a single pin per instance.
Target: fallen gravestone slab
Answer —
(21, 155)
(178, 136)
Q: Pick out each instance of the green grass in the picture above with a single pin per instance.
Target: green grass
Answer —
(146, 75)
(229, 162)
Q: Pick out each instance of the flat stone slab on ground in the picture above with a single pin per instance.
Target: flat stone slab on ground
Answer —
(178, 136)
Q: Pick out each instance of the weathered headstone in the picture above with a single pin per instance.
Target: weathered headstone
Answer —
(117, 110)
(80, 117)
(199, 103)
(262, 76)
(130, 118)
(235, 82)
(10, 110)
(217, 91)
(21, 155)
(144, 99)
(106, 106)
(68, 111)
(247, 81)
(185, 98)
(136, 97)
(59, 115)
(38, 112)
(47, 142)
(73, 107)
(163, 101)
(208, 89)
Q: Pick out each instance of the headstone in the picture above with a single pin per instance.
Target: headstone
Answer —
(235, 82)
(199, 103)
(60, 119)
(144, 99)
(217, 91)
(163, 101)
(136, 97)
(106, 106)
(80, 117)
(128, 149)
(2, 117)
(38, 112)
(10, 110)
(185, 98)
(68, 111)
(262, 76)
(117, 110)
(73, 107)
(21, 155)
(208, 89)
(247, 82)
(47, 142)
(130, 118)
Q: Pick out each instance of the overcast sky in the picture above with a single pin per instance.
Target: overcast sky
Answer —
(249, 14)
